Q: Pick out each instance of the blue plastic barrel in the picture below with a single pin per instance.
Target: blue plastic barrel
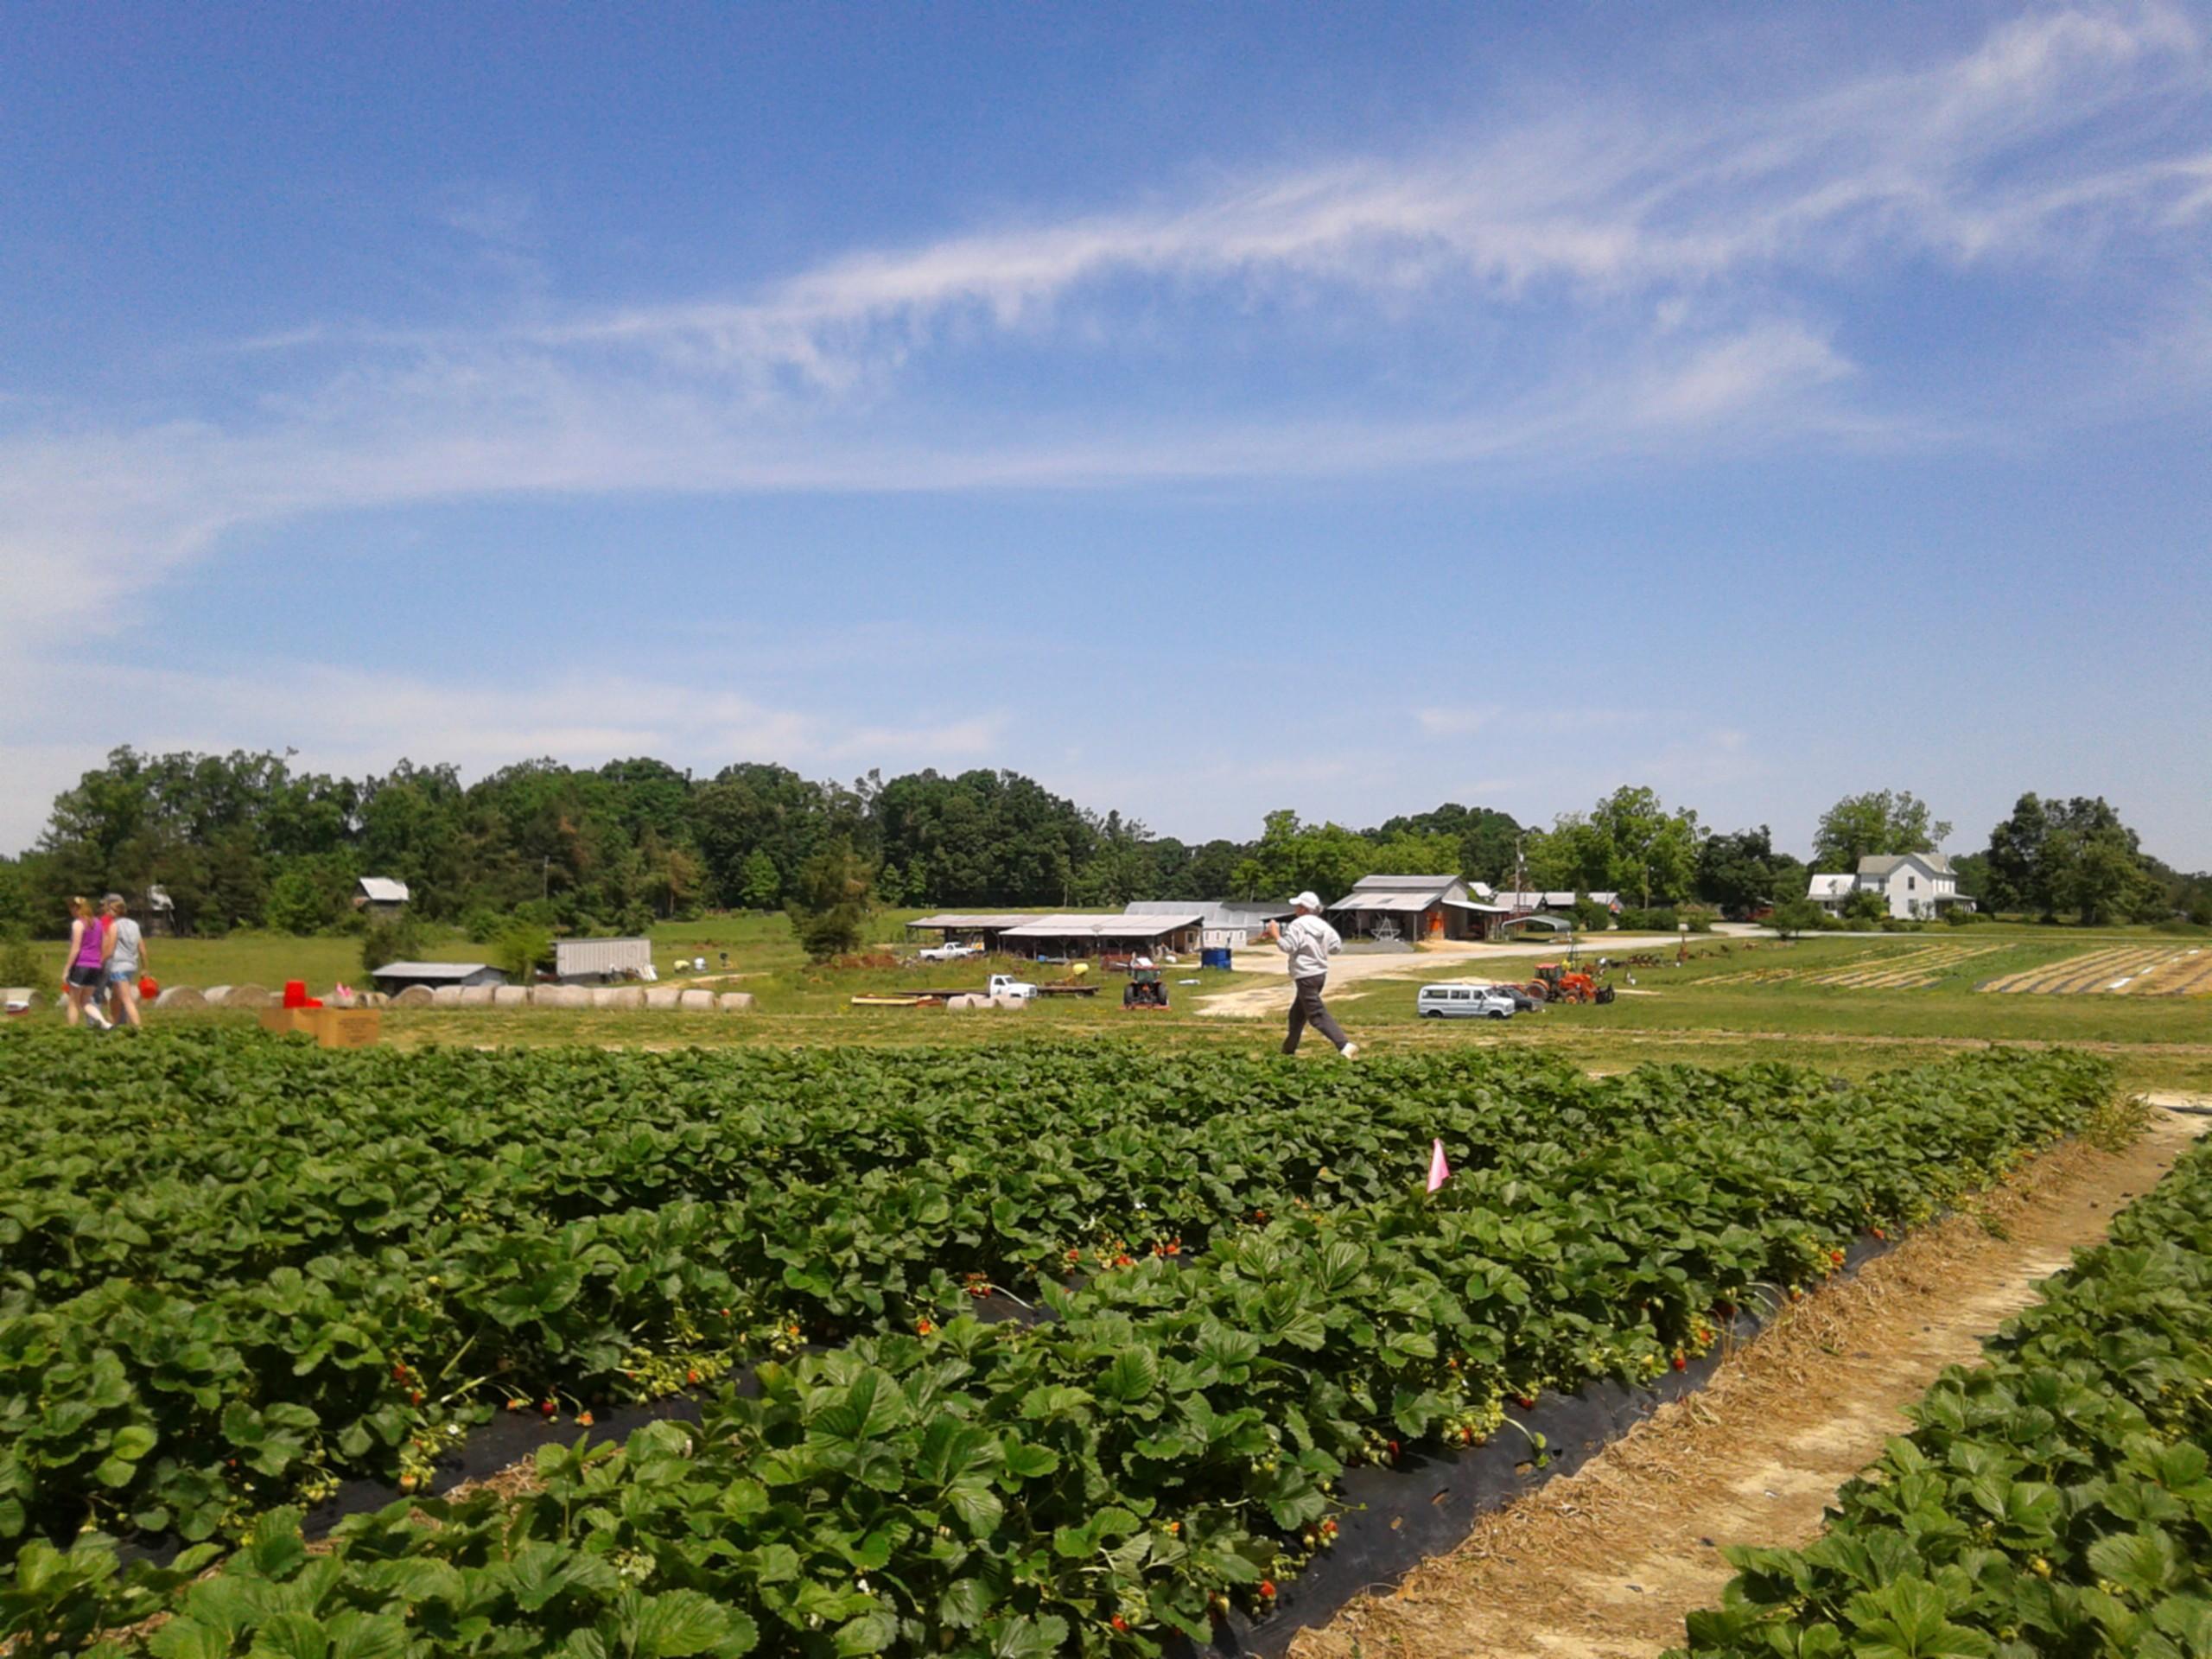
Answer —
(1214, 956)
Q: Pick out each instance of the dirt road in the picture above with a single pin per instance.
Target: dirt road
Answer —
(1607, 1563)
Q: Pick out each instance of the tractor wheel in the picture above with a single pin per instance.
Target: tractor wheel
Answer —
(1606, 995)
(1538, 991)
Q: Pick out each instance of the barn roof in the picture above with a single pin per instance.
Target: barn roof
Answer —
(1105, 927)
(427, 970)
(382, 890)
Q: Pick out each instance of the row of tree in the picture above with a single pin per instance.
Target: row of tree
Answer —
(246, 841)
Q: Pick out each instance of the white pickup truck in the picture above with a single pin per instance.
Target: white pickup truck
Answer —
(1007, 985)
(949, 952)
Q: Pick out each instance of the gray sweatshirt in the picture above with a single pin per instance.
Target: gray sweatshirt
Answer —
(1309, 942)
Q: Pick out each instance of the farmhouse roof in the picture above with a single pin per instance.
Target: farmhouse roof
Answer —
(1887, 863)
(1105, 927)
(427, 970)
(382, 890)
(977, 922)
(1403, 883)
(1828, 887)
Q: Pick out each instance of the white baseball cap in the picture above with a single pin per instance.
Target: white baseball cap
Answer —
(1308, 900)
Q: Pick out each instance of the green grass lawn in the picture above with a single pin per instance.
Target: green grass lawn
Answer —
(1705, 1012)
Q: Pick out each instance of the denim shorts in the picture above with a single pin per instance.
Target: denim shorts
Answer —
(123, 975)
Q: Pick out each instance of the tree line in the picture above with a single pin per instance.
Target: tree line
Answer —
(247, 840)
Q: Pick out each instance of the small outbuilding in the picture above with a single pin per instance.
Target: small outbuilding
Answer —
(1179, 931)
(601, 962)
(1416, 907)
(395, 976)
(379, 896)
(1223, 924)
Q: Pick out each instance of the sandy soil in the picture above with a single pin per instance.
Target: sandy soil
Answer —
(1607, 1563)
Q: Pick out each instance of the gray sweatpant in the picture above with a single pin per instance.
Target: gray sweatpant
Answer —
(1306, 1009)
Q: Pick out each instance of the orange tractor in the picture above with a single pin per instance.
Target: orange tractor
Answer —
(1554, 983)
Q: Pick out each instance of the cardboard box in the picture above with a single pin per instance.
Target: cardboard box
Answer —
(348, 1027)
(282, 1020)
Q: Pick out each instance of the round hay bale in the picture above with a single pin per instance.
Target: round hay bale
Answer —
(1005, 1001)
(374, 998)
(180, 996)
(559, 996)
(662, 999)
(735, 1001)
(217, 996)
(442, 996)
(250, 997)
(511, 996)
(624, 997)
(476, 996)
(418, 996)
(966, 1002)
(697, 1002)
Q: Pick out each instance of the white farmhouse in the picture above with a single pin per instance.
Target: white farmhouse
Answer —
(1915, 886)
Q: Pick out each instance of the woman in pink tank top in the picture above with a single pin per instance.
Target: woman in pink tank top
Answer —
(80, 981)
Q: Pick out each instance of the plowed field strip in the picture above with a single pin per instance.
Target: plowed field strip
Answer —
(2177, 975)
(2113, 976)
(1607, 1563)
(2056, 975)
(1923, 971)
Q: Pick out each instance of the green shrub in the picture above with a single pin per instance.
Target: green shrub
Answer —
(19, 963)
(522, 949)
(397, 939)
(1959, 916)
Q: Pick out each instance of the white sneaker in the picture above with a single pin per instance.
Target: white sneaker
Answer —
(1349, 1050)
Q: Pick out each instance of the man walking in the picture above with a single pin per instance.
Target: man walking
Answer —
(1309, 942)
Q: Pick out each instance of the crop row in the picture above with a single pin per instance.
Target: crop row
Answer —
(2055, 1499)
(277, 1266)
(1168, 1443)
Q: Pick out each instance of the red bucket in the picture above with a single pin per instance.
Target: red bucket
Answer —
(296, 993)
(148, 988)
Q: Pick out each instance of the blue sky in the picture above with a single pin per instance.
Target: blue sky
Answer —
(1204, 410)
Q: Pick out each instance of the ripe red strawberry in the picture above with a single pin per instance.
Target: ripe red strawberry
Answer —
(1879, 1234)
(1328, 1528)
(692, 1377)
(1394, 1451)
(1836, 1257)
(1526, 1401)
(1267, 1589)
(1681, 1362)
(924, 1326)
(1120, 1624)
(414, 1398)
(548, 1408)
(1075, 1255)
(399, 1373)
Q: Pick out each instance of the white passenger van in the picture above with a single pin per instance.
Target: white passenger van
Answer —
(1463, 1001)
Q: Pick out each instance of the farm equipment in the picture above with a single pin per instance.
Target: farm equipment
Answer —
(1146, 989)
(1555, 983)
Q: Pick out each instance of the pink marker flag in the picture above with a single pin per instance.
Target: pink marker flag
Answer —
(1439, 1171)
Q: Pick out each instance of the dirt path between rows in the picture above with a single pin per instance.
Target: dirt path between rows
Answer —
(1607, 1561)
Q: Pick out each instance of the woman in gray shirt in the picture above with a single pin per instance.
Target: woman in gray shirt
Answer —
(126, 960)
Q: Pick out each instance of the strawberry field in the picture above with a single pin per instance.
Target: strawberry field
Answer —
(238, 1269)
(2057, 1499)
